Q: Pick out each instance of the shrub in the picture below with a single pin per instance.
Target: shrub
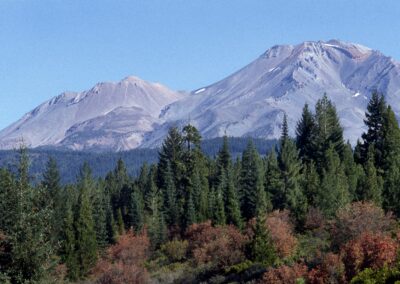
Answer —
(357, 218)
(281, 231)
(329, 270)
(124, 261)
(368, 251)
(175, 250)
(285, 274)
(220, 246)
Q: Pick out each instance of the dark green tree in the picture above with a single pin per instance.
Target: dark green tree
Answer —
(305, 135)
(86, 244)
(334, 190)
(261, 248)
(374, 136)
(253, 196)
(372, 183)
(328, 130)
(290, 167)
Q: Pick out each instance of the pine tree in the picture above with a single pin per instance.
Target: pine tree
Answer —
(120, 223)
(170, 198)
(252, 183)
(305, 135)
(136, 210)
(353, 171)
(334, 193)
(171, 152)
(374, 136)
(69, 245)
(99, 215)
(273, 182)
(290, 166)
(311, 183)
(391, 162)
(372, 184)
(51, 182)
(86, 244)
(261, 248)
(30, 234)
(232, 203)
(219, 207)
(155, 219)
(328, 130)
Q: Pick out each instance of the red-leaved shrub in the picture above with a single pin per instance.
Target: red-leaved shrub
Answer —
(221, 246)
(281, 230)
(368, 251)
(357, 218)
(124, 261)
(285, 274)
(330, 270)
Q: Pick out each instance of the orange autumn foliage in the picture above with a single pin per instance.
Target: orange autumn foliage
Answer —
(221, 246)
(284, 274)
(357, 218)
(329, 270)
(368, 251)
(281, 231)
(124, 261)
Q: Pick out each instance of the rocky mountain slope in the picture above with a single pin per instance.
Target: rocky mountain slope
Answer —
(250, 102)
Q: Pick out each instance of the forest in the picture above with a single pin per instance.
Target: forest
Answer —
(313, 209)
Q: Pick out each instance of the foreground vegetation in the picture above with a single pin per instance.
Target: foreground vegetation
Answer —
(313, 210)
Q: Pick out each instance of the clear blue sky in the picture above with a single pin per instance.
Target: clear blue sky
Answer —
(49, 46)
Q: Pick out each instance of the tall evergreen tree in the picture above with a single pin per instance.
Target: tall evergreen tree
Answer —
(136, 210)
(328, 130)
(290, 166)
(273, 182)
(391, 162)
(372, 184)
(86, 244)
(253, 196)
(261, 248)
(305, 135)
(30, 233)
(374, 136)
(311, 183)
(334, 190)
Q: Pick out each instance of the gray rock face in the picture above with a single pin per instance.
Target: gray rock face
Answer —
(250, 102)
(110, 116)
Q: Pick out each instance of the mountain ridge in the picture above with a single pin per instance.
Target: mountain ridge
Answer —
(249, 102)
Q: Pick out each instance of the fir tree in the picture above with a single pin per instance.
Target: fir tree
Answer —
(391, 162)
(305, 135)
(311, 183)
(136, 210)
(374, 136)
(252, 183)
(232, 203)
(261, 249)
(372, 184)
(86, 244)
(219, 206)
(290, 166)
(334, 193)
(328, 130)
(273, 182)
(69, 245)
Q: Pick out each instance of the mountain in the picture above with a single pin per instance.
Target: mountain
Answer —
(251, 102)
(110, 116)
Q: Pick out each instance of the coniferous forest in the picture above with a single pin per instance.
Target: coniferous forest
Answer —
(314, 209)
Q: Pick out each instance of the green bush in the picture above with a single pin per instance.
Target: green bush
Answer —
(175, 250)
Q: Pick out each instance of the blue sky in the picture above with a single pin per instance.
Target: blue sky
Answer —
(49, 46)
